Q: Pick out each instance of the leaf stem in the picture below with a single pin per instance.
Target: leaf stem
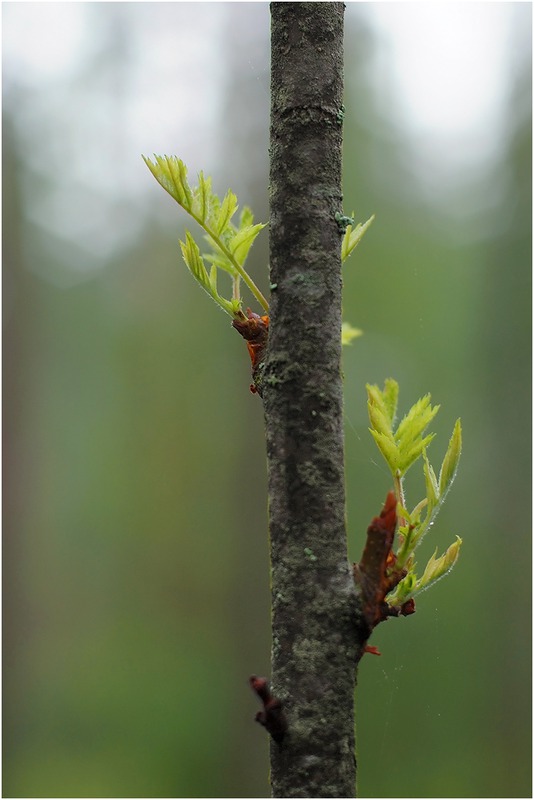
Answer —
(399, 493)
(237, 266)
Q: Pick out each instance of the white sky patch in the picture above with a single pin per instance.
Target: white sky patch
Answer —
(95, 85)
(91, 86)
(443, 77)
(43, 42)
(449, 68)
(448, 60)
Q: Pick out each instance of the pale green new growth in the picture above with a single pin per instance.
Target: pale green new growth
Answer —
(401, 447)
(348, 333)
(390, 398)
(449, 466)
(195, 264)
(435, 569)
(353, 236)
(230, 244)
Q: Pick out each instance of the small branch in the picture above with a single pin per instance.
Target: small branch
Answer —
(272, 717)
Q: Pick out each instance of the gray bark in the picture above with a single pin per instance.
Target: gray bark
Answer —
(318, 631)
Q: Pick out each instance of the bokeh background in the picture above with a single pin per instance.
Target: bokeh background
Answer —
(136, 588)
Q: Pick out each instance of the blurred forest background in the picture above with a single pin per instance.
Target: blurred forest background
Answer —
(136, 587)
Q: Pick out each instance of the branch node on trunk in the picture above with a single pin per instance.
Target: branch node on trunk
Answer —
(272, 717)
(376, 573)
(254, 330)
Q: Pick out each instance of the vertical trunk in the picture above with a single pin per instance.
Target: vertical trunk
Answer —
(315, 611)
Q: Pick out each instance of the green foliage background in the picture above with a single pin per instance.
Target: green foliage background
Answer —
(136, 590)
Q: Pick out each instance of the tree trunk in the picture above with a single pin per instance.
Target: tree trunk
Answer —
(316, 616)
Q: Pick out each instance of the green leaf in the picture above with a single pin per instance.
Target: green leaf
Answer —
(379, 420)
(215, 218)
(353, 236)
(384, 400)
(390, 397)
(416, 421)
(436, 490)
(388, 448)
(404, 514)
(167, 174)
(381, 407)
(348, 333)
(215, 210)
(408, 435)
(378, 409)
(435, 569)
(415, 516)
(406, 535)
(178, 166)
(246, 218)
(438, 567)
(409, 453)
(235, 308)
(403, 590)
(241, 243)
(194, 262)
(221, 260)
(449, 466)
(202, 196)
(213, 279)
(401, 448)
(431, 483)
(227, 210)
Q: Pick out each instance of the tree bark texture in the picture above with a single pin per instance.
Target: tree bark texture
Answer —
(316, 615)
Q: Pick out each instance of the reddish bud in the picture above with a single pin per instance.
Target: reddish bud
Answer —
(408, 607)
(377, 573)
(373, 650)
(254, 329)
(272, 717)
